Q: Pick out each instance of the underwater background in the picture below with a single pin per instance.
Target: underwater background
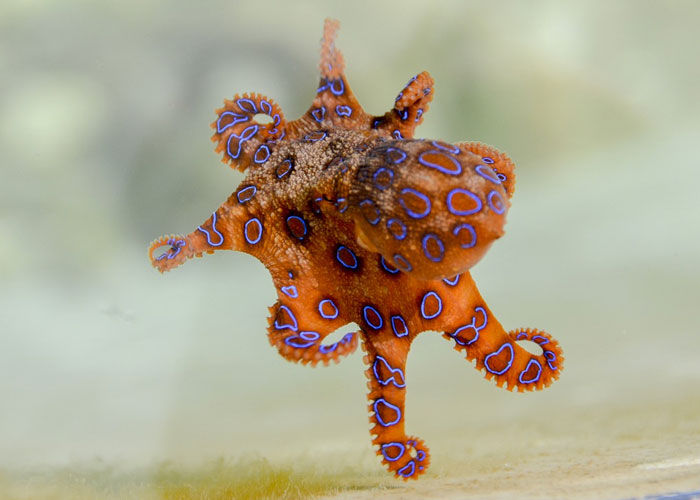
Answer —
(119, 382)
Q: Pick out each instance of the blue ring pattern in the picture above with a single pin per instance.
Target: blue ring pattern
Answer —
(441, 247)
(422, 305)
(378, 416)
(508, 364)
(474, 197)
(352, 264)
(365, 314)
(411, 213)
(257, 222)
(497, 206)
(293, 325)
(332, 315)
(535, 378)
(213, 228)
(457, 166)
(244, 194)
(402, 263)
(401, 225)
(404, 327)
(471, 230)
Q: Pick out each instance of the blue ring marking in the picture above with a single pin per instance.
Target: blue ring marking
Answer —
(333, 315)
(347, 338)
(521, 336)
(450, 148)
(290, 274)
(310, 335)
(397, 135)
(422, 305)
(213, 227)
(289, 168)
(551, 358)
(471, 230)
(497, 206)
(290, 291)
(247, 133)
(404, 231)
(404, 330)
(376, 122)
(488, 159)
(392, 370)
(266, 152)
(379, 418)
(402, 263)
(343, 110)
(457, 166)
(385, 265)
(247, 102)
(256, 221)
(341, 204)
(246, 193)
(420, 456)
(392, 158)
(416, 215)
(292, 326)
(501, 177)
(276, 121)
(374, 222)
(474, 197)
(508, 365)
(440, 244)
(325, 349)
(533, 379)
(487, 173)
(314, 136)
(427, 90)
(398, 455)
(407, 470)
(540, 340)
(378, 185)
(380, 322)
(303, 223)
(419, 113)
(322, 87)
(265, 107)
(294, 341)
(341, 85)
(237, 118)
(403, 114)
(353, 264)
(398, 97)
(472, 325)
(453, 281)
(319, 114)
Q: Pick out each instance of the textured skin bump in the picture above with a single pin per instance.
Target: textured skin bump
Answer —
(358, 222)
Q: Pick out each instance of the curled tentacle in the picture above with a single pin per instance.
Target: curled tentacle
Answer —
(409, 108)
(430, 208)
(407, 457)
(499, 355)
(243, 141)
(502, 165)
(298, 335)
(172, 250)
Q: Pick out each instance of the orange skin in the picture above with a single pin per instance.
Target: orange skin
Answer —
(358, 222)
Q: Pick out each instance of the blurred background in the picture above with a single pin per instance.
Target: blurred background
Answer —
(104, 145)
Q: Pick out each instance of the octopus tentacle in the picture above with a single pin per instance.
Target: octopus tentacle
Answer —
(407, 457)
(409, 108)
(503, 167)
(241, 140)
(298, 336)
(498, 352)
(236, 225)
(335, 104)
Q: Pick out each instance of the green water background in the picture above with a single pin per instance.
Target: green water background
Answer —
(104, 145)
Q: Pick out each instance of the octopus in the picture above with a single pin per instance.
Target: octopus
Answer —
(359, 222)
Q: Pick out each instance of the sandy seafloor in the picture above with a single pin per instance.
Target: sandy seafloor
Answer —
(107, 365)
